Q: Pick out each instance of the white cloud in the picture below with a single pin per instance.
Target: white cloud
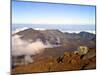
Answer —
(54, 21)
(23, 47)
(19, 29)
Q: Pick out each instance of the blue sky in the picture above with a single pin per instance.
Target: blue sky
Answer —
(47, 13)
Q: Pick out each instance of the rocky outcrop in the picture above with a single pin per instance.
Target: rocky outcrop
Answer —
(81, 50)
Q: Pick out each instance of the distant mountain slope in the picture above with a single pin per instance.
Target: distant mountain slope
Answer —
(58, 37)
(66, 41)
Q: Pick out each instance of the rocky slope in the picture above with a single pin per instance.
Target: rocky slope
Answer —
(59, 57)
(68, 40)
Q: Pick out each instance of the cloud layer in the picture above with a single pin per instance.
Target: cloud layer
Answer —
(23, 47)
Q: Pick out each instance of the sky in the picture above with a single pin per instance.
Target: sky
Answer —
(50, 13)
